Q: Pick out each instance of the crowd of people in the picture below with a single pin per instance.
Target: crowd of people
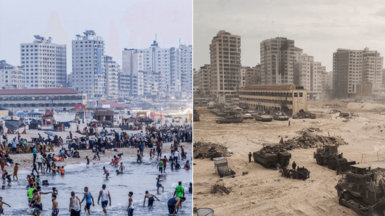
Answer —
(45, 162)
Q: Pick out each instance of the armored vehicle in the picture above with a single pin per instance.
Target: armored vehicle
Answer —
(300, 173)
(328, 155)
(263, 117)
(280, 116)
(230, 118)
(302, 114)
(247, 116)
(272, 156)
(360, 191)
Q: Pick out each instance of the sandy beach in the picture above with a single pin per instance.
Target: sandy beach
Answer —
(263, 191)
(25, 160)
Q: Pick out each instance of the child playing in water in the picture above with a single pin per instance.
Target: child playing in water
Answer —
(15, 169)
(106, 172)
(62, 171)
(121, 167)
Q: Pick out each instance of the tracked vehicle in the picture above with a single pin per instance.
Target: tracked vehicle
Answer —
(263, 117)
(300, 173)
(230, 118)
(328, 155)
(272, 156)
(280, 116)
(360, 191)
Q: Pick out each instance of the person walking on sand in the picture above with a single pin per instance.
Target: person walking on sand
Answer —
(75, 205)
(130, 208)
(294, 165)
(150, 198)
(105, 196)
(249, 157)
(89, 200)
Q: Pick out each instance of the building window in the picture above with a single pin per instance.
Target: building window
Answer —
(295, 94)
(300, 94)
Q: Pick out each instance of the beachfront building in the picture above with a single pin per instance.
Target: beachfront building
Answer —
(353, 67)
(112, 75)
(225, 65)
(172, 67)
(287, 98)
(88, 65)
(11, 77)
(44, 63)
(42, 99)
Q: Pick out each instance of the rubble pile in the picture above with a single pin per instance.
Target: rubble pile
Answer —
(209, 150)
(310, 140)
(302, 114)
(219, 189)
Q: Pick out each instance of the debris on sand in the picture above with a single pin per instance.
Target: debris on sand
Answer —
(311, 140)
(310, 129)
(209, 150)
(219, 189)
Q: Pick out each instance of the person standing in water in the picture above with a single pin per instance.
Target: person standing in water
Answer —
(130, 208)
(89, 200)
(160, 166)
(1, 205)
(150, 199)
(105, 195)
(158, 185)
(174, 204)
(121, 167)
(55, 208)
(75, 205)
(88, 160)
(106, 172)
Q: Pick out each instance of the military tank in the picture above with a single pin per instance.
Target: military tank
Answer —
(280, 116)
(302, 114)
(328, 155)
(263, 117)
(271, 156)
(300, 173)
(230, 118)
(360, 191)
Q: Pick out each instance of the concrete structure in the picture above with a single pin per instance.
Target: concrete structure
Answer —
(29, 99)
(308, 73)
(286, 98)
(172, 65)
(383, 77)
(196, 81)
(11, 77)
(124, 85)
(278, 56)
(243, 76)
(352, 67)
(44, 62)
(88, 65)
(112, 74)
(205, 79)
(225, 60)
(253, 76)
(327, 84)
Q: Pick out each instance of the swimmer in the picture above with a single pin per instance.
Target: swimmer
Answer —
(150, 199)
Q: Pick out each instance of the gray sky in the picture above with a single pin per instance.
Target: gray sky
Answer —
(121, 23)
(318, 27)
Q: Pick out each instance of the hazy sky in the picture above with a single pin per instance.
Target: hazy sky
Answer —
(318, 27)
(121, 23)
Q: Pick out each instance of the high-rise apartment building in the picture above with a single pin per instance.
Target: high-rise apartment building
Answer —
(112, 75)
(44, 62)
(253, 76)
(225, 59)
(204, 79)
(243, 75)
(278, 56)
(172, 68)
(309, 74)
(196, 80)
(352, 67)
(11, 77)
(88, 65)
(124, 85)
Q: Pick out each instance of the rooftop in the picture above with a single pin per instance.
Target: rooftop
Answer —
(114, 105)
(38, 91)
